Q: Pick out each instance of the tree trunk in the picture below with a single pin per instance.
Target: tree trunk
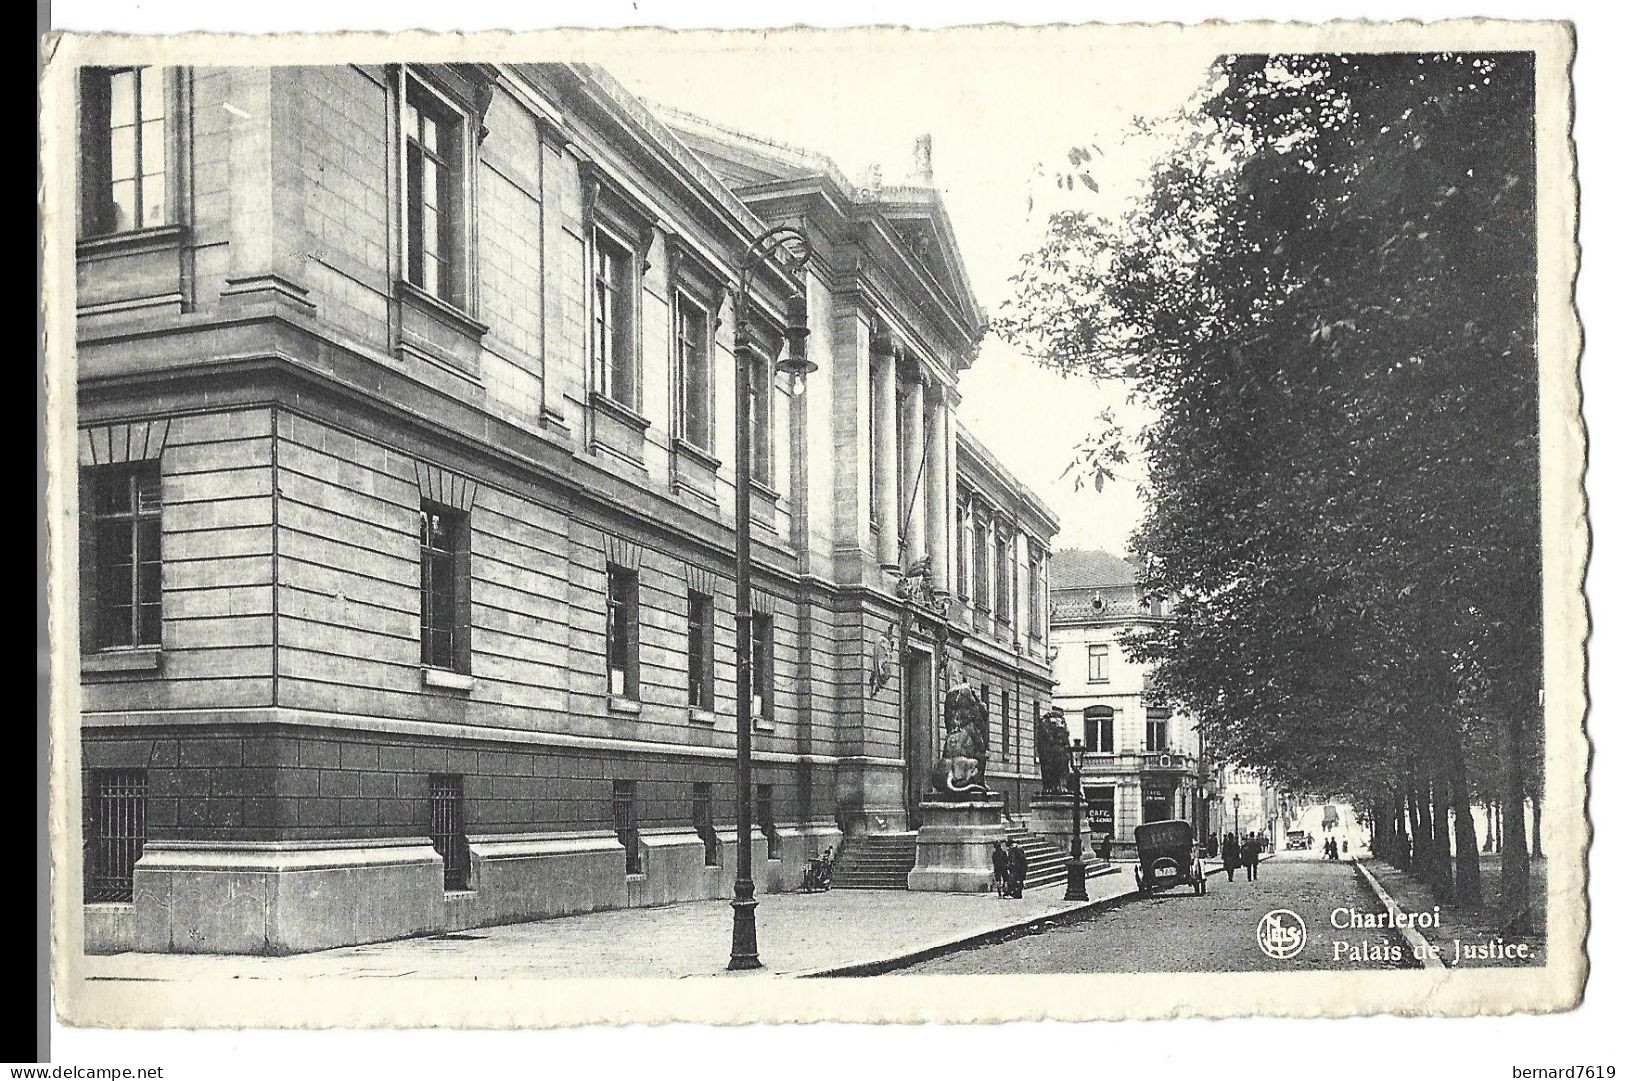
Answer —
(1489, 825)
(1443, 881)
(1534, 829)
(1420, 846)
(1515, 846)
(1469, 887)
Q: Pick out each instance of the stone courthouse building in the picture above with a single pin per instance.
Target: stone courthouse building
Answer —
(406, 505)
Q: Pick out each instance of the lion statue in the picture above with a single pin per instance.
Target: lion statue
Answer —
(1051, 740)
(961, 772)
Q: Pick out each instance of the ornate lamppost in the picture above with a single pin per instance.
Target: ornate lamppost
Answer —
(790, 243)
(1077, 871)
(1236, 803)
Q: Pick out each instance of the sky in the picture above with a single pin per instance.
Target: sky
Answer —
(995, 115)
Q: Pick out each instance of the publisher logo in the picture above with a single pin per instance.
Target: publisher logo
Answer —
(1281, 934)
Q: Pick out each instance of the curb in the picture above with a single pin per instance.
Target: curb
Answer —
(1420, 947)
(892, 962)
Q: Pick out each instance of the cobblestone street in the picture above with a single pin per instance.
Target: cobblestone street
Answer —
(1178, 932)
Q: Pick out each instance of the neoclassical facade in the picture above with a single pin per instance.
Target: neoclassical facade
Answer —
(406, 505)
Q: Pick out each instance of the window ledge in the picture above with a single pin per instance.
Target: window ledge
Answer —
(697, 715)
(764, 490)
(762, 724)
(140, 659)
(619, 410)
(446, 312)
(157, 238)
(620, 704)
(447, 680)
(697, 453)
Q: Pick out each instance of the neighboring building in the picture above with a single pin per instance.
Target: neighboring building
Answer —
(1144, 762)
(406, 505)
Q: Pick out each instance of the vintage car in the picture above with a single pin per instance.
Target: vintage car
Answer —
(1296, 839)
(1168, 857)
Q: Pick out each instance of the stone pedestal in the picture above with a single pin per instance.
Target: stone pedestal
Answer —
(1051, 819)
(953, 852)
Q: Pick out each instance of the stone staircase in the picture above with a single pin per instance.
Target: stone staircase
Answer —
(878, 861)
(1046, 864)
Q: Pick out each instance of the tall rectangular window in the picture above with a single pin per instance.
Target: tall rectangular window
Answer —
(701, 645)
(761, 420)
(1001, 556)
(761, 665)
(447, 827)
(613, 297)
(905, 479)
(444, 611)
(765, 820)
(1098, 729)
(703, 824)
(979, 565)
(124, 149)
(116, 824)
(1097, 663)
(125, 555)
(694, 372)
(625, 810)
(622, 631)
(959, 561)
(1033, 597)
(433, 132)
(1156, 729)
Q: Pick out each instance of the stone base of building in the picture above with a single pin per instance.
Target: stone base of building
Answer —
(1050, 817)
(953, 851)
(296, 897)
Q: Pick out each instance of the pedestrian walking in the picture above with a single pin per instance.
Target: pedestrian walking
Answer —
(1018, 870)
(1106, 847)
(1001, 868)
(1249, 855)
(1232, 855)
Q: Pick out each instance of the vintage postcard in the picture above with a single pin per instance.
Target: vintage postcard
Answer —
(815, 525)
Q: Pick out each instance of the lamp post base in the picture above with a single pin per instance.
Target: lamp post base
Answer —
(744, 943)
(1077, 880)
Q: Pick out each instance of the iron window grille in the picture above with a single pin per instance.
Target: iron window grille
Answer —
(433, 132)
(1098, 725)
(1004, 724)
(761, 665)
(622, 631)
(694, 371)
(1156, 729)
(443, 551)
(764, 816)
(701, 645)
(126, 556)
(124, 149)
(117, 823)
(447, 826)
(613, 294)
(703, 824)
(625, 810)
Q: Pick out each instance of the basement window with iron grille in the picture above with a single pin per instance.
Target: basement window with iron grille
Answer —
(117, 825)
(446, 827)
(703, 824)
(764, 816)
(625, 809)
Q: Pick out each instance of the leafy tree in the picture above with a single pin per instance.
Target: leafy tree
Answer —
(1326, 294)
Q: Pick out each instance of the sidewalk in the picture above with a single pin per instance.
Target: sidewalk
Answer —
(797, 935)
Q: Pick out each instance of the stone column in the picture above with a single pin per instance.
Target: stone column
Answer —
(913, 480)
(884, 388)
(950, 449)
(939, 496)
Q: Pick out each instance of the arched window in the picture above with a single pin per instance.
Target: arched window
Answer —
(1098, 724)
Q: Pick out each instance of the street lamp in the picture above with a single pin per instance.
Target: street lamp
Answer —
(1200, 817)
(1236, 803)
(790, 242)
(1077, 872)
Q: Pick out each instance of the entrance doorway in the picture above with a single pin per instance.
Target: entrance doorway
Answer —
(920, 749)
